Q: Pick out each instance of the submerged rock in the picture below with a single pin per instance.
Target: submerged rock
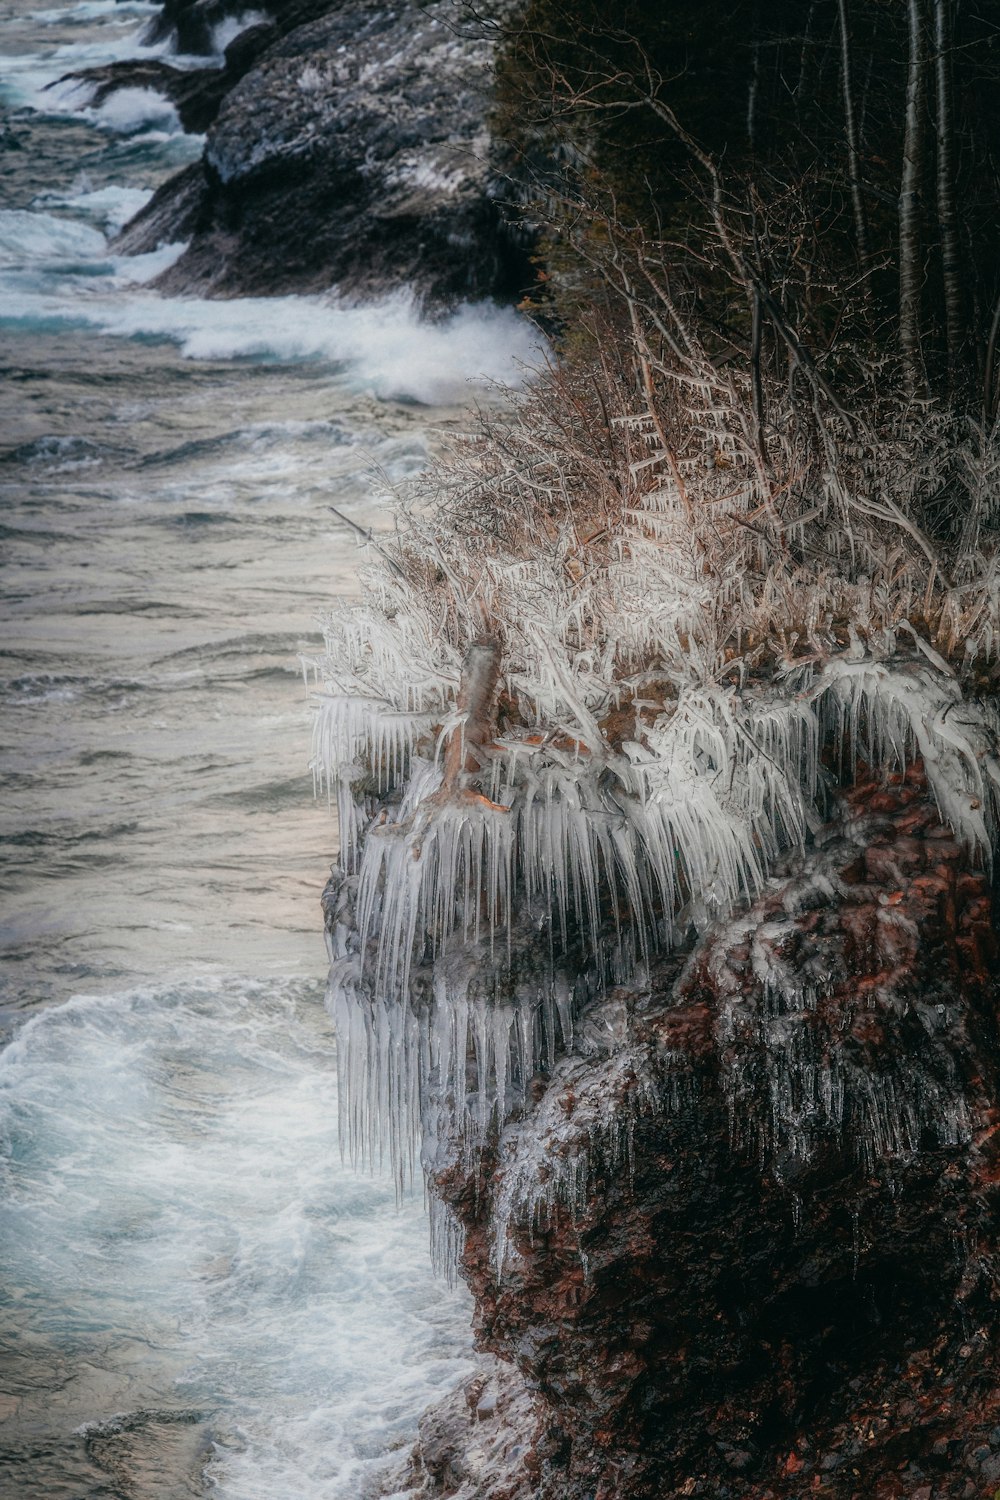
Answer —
(346, 144)
(740, 1239)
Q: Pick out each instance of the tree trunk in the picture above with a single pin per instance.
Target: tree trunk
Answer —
(989, 371)
(851, 127)
(801, 88)
(946, 210)
(910, 269)
(756, 330)
(752, 93)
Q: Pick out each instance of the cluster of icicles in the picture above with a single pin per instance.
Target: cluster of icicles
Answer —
(812, 1092)
(606, 855)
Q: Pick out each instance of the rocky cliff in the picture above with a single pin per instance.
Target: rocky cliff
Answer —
(740, 1239)
(666, 947)
(346, 145)
(776, 1274)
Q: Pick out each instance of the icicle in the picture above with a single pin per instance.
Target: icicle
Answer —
(788, 1093)
(911, 707)
(546, 835)
(445, 871)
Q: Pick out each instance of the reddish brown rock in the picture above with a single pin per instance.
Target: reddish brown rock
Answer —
(745, 1247)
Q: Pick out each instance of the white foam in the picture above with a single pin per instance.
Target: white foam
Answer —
(388, 346)
(140, 269)
(171, 1174)
(128, 111)
(93, 10)
(394, 350)
(27, 238)
(31, 80)
(231, 27)
(112, 207)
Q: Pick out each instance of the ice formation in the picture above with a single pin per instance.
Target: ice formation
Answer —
(615, 855)
(672, 695)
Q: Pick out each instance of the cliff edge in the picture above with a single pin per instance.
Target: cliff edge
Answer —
(774, 1273)
(345, 145)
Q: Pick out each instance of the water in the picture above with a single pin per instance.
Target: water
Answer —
(199, 1298)
(193, 1281)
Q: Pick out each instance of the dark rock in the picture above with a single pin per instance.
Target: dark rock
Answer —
(196, 93)
(350, 149)
(191, 24)
(775, 1253)
(478, 1441)
(172, 214)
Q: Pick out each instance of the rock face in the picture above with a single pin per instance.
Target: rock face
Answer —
(346, 144)
(741, 1241)
(197, 93)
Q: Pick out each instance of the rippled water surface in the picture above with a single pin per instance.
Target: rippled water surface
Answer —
(167, 548)
(198, 1297)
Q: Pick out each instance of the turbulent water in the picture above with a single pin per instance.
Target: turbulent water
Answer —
(198, 1297)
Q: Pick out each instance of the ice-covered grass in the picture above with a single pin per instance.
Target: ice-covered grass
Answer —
(697, 628)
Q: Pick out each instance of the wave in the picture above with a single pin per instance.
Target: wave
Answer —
(254, 643)
(31, 689)
(387, 346)
(93, 10)
(29, 238)
(59, 273)
(48, 264)
(60, 453)
(32, 79)
(172, 1178)
(261, 437)
(109, 206)
(230, 27)
(59, 837)
(131, 110)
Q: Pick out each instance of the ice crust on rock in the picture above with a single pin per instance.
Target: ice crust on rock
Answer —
(659, 738)
(812, 1093)
(585, 1123)
(613, 856)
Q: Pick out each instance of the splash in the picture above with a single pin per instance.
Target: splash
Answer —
(58, 273)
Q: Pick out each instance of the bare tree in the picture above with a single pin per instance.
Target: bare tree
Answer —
(754, 86)
(910, 268)
(851, 127)
(946, 209)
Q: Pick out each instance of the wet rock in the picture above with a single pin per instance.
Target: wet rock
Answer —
(197, 93)
(347, 147)
(195, 26)
(191, 24)
(171, 215)
(477, 1444)
(749, 1245)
